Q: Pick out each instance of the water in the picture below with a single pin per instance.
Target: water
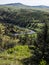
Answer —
(29, 32)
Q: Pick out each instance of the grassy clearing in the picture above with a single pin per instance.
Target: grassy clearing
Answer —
(14, 55)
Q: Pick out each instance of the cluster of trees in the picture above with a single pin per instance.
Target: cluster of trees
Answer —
(42, 45)
(28, 18)
(40, 48)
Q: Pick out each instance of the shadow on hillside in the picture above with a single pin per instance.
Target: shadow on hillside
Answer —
(33, 61)
(30, 61)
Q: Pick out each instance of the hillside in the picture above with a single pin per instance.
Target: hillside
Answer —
(28, 17)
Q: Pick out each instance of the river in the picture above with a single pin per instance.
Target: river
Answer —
(29, 32)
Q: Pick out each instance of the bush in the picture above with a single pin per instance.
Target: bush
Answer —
(42, 62)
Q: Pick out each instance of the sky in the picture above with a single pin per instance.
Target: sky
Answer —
(27, 2)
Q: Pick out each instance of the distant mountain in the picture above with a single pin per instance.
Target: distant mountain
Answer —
(21, 5)
(14, 4)
(41, 6)
(18, 5)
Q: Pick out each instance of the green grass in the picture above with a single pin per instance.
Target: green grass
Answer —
(15, 55)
